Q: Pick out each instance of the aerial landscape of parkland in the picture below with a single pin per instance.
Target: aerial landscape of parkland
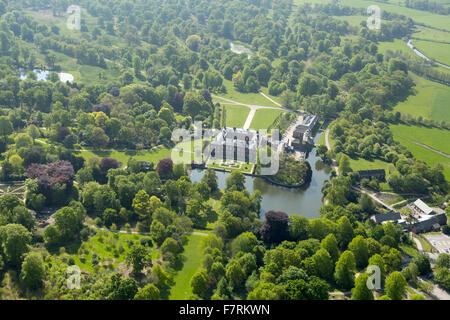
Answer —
(224, 150)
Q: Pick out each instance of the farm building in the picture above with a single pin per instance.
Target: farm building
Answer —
(379, 174)
(421, 207)
(429, 223)
(390, 216)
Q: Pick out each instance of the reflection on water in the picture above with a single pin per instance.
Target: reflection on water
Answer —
(239, 49)
(44, 75)
(304, 201)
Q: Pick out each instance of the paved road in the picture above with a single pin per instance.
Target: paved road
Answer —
(418, 243)
(249, 119)
(440, 242)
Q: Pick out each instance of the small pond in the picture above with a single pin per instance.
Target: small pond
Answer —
(44, 74)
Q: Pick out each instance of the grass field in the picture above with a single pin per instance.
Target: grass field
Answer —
(246, 98)
(264, 118)
(298, 2)
(429, 101)
(435, 140)
(400, 46)
(432, 34)
(354, 20)
(236, 115)
(148, 155)
(426, 246)
(410, 250)
(193, 253)
(432, 137)
(397, 45)
(363, 164)
(425, 17)
(186, 150)
(81, 73)
(434, 50)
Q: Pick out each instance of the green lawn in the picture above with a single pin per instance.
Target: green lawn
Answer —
(425, 17)
(398, 45)
(81, 73)
(410, 250)
(235, 165)
(321, 140)
(236, 115)
(434, 50)
(193, 254)
(432, 34)
(186, 150)
(299, 2)
(426, 246)
(247, 167)
(246, 98)
(430, 100)
(354, 20)
(264, 118)
(363, 164)
(425, 155)
(432, 137)
(148, 155)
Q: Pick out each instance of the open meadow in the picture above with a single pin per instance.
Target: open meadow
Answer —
(435, 138)
(434, 50)
(182, 289)
(153, 155)
(423, 17)
(430, 100)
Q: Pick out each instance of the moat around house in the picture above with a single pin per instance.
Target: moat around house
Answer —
(304, 201)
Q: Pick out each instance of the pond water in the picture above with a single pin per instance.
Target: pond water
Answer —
(44, 74)
(238, 49)
(304, 201)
